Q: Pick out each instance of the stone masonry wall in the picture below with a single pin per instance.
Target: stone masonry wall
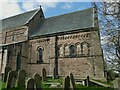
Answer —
(37, 68)
(88, 61)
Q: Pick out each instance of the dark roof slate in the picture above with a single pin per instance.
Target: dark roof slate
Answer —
(16, 21)
(66, 22)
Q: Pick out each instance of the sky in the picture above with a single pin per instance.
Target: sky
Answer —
(10, 8)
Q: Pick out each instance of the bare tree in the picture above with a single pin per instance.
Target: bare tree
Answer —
(109, 16)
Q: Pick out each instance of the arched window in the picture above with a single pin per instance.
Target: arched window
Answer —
(72, 49)
(14, 36)
(40, 54)
(85, 49)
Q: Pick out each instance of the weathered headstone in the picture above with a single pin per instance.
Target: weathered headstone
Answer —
(21, 78)
(116, 84)
(87, 81)
(72, 82)
(7, 69)
(44, 76)
(11, 80)
(66, 83)
(83, 83)
(30, 84)
(37, 80)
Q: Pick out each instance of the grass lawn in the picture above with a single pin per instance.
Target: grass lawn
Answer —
(0, 85)
(46, 85)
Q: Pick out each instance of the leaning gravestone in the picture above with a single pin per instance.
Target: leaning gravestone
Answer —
(11, 79)
(21, 78)
(37, 80)
(66, 83)
(7, 69)
(116, 84)
(72, 82)
(44, 76)
(30, 84)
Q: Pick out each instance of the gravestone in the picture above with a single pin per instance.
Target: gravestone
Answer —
(66, 83)
(21, 78)
(72, 81)
(44, 77)
(7, 69)
(87, 81)
(30, 84)
(37, 80)
(11, 79)
(83, 83)
(116, 84)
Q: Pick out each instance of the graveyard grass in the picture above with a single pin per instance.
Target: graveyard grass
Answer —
(0, 85)
(46, 85)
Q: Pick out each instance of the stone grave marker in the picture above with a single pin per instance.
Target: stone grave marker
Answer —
(44, 76)
(37, 80)
(72, 81)
(11, 80)
(66, 83)
(7, 69)
(116, 84)
(87, 82)
(30, 84)
(21, 78)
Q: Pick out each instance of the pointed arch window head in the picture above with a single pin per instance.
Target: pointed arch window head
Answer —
(85, 49)
(14, 36)
(40, 54)
(72, 49)
(66, 50)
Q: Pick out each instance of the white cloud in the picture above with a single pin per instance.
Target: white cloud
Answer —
(35, 4)
(28, 5)
(9, 9)
(66, 6)
(46, 5)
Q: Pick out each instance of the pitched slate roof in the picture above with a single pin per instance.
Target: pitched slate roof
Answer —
(66, 22)
(16, 21)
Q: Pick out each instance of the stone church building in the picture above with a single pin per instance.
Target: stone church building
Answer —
(64, 43)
